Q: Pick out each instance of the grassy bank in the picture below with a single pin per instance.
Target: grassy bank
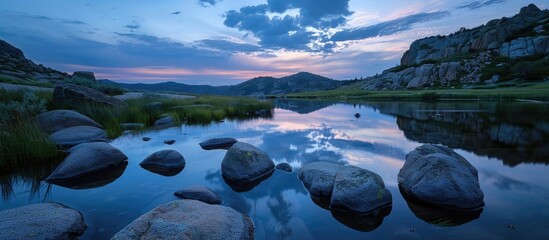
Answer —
(530, 91)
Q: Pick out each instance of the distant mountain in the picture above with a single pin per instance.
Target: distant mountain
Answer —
(300, 82)
(259, 86)
(170, 87)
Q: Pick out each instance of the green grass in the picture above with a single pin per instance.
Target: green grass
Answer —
(26, 82)
(107, 89)
(532, 91)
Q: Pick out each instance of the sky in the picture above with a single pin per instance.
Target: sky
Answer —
(225, 42)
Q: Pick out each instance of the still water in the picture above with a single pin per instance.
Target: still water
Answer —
(507, 142)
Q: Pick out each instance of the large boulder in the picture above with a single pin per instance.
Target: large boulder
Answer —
(165, 162)
(438, 176)
(86, 159)
(41, 221)
(165, 121)
(246, 163)
(199, 193)
(85, 75)
(69, 93)
(56, 120)
(218, 143)
(189, 219)
(73, 136)
(347, 188)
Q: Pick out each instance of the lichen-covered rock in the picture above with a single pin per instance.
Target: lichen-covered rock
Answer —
(244, 162)
(56, 120)
(439, 176)
(41, 221)
(189, 219)
(318, 177)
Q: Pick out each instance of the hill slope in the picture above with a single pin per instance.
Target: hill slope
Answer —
(169, 87)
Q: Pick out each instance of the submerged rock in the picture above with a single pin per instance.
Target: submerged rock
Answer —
(56, 120)
(284, 167)
(86, 159)
(73, 136)
(348, 188)
(244, 162)
(189, 219)
(165, 162)
(218, 143)
(199, 193)
(41, 221)
(439, 176)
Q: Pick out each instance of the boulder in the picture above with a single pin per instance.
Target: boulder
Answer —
(165, 162)
(189, 219)
(244, 162)
(348, 188)
(218, 143)
(169, 142)
(85, 75)
(438, 176)
(56, 120)
(73, 136)
(41, 221)
(69, 93)
(164, 121)
(284, 167)
(199, 193)
(87, 159)
(357, 115)
(146, 139)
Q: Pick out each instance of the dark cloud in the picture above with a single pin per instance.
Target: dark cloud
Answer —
(133, 26)
(228, 46)
(290, 32)
(208, 3)
(387, 28)
(176, 13)
(480, 4)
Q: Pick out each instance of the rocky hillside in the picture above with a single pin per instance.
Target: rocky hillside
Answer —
(501, 50)
(14, 65)
(300, 82)
(169, 87)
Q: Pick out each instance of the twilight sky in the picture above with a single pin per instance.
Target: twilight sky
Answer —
(224, 42)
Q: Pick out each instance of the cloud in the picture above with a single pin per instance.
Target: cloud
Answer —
(228, 46)
(78, 22)
(480, 4)
(176, 13)
(132, 26)
(208, 3)
(387, 28)
(305, 31)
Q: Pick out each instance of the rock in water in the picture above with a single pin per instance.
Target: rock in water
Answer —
(357, 115)
(199, 193)
(439, 176)
(348, 188)
(41, 221)
(165, 162)
(87, 159)
(244, 162)
(218, 143)
(146, 139)
(169, 142)
(73, 136)
(56, 120)
(164, 121)
(284, 167)
(65, 93)
(189, 219)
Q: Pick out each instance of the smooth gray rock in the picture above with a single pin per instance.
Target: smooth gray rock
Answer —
(146, 139)
(199, 193)
(359, 190)
(165, 159)
(164, 121)
(169, 142)
(41, 221)
(244, 162)
(218, 143)
(439, 176)
(132, 126)
(318, 177)
(189, 219)
(86, 159)
(284, 167)
(73, 136)
(56, 120)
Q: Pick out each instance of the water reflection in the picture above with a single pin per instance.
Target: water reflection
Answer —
(302, 106)
(95, 180)
(163, 171)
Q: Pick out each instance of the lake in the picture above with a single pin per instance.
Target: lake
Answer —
(507, 142)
